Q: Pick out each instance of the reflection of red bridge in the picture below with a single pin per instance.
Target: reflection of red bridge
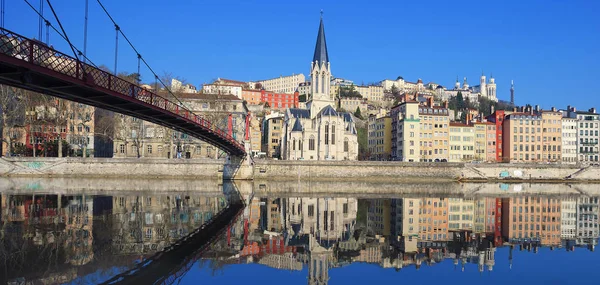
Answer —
(173, 262)
(32, 65)
(273, 246)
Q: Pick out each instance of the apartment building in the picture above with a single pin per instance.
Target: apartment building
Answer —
(380, 136)
(462, 142)
(551, 135)
(371, 92)
(588, 135)
(569, 139)
(271, 134)
(434, 132)
(283, 84)
(522, 137)
(406, 131)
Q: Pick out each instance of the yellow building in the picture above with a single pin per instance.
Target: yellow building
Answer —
(462, 142)
(434, 133)
(380, 136)
(480, 129)
(551, 135)
(533, 137)
(461, 214)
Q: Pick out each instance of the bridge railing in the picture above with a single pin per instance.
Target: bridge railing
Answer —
(40, 54)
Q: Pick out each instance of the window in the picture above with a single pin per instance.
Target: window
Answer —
(122, 148)
(311, 143)
(332, 134)
(346, 145)
(326, 133)
(311, 210)
(149, 149)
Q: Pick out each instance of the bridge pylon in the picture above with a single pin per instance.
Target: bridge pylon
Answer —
(239, 167)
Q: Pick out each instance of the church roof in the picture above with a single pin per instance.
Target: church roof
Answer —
(321, 47)
(328, 111)
(297, 126)
(300, 113)
(348, 117)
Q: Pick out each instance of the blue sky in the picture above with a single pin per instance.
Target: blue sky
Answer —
(545, 267)
(550, 48)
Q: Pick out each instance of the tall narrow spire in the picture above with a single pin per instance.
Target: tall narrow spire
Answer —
(321, 54)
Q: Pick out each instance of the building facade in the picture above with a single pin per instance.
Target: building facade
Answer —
(283, 84)
(569, 139)
(379, 131)
(406, 131)
(319, 132)
(462, 142)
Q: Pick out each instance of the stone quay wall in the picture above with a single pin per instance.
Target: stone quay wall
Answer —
(243, 169)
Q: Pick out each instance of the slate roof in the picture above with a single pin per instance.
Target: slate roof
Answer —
(300, 113)
(297, 126)
(328, 111)
(321, 54)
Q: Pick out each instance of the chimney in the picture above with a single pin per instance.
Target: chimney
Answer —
(568, 108)
(515, 109)
(405, 97)
(531, 110)
(430, 102)
(522, 109)
(446, 104)
(491, 109)
(593, 110)
(574, 109)
(553, 109)
(537, 108)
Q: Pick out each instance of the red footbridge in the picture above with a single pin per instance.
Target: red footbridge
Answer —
(32, 65)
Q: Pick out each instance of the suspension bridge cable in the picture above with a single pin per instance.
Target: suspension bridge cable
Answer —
(138, 53)
(62, 29)
(60, 34)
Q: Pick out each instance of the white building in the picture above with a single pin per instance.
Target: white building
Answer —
(223, 89)
(318, 132)
(569, 140)
(283, 84)
(371, 92)
(568, 218)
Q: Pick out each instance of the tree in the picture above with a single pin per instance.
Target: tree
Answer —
(13, 115)
(395, 91)
(357, 113)
(349, 91)
(460, 102)
(302, 98)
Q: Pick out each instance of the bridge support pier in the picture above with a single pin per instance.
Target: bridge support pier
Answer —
(239, 167)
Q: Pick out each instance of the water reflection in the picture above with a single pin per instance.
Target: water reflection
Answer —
(320, 234)
(72, 237)
(49, 238)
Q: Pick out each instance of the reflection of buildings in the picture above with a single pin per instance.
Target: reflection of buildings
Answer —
(531, 219)
(149, 223)
(405, 223)
(460, 214)
(568, 218)
(378, 216)
(433, 219)
(587, 222)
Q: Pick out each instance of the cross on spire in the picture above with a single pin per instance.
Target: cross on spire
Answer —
(321, 13)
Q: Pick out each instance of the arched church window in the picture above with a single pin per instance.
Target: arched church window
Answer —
(326, 133)
(294, 144)
(322, 83)
(311, 143)
(346, 144)
(333, 134)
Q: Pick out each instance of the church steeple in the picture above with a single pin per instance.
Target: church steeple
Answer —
(321, 48)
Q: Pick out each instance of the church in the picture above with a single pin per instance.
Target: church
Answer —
(319, 132)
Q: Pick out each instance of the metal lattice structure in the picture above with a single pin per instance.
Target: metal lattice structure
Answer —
(32, 65)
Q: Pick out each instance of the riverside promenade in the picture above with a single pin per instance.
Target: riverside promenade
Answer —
(375, 171)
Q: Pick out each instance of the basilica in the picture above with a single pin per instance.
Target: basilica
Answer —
(319, 132)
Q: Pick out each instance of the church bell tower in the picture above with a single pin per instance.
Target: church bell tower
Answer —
(320, 73)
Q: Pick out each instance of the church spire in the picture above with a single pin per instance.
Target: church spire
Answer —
(321, 48)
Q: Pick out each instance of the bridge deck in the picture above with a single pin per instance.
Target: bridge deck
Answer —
(31, 65)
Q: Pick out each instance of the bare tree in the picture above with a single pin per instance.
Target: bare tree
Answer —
(13, 115)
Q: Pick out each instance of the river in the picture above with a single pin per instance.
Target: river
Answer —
(167, 231)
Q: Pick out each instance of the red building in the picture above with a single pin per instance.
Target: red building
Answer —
(279, 100)
(498, 118)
